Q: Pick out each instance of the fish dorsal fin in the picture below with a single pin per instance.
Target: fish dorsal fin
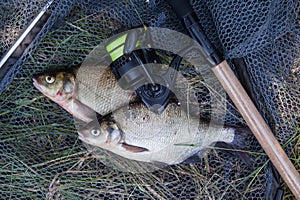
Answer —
(134, 149)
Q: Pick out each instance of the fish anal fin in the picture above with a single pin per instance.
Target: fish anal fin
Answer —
(134, 149)
(194, 159)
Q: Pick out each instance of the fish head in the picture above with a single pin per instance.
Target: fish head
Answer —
(58, 86)
(101, 134)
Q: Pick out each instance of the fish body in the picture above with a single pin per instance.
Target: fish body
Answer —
(170, 137)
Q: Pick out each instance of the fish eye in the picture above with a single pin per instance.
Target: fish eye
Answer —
(49, 79)
(95, 132)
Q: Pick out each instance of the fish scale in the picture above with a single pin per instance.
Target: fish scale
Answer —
(97, 88)
(143, 127)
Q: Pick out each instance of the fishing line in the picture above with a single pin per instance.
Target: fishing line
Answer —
(138, 14)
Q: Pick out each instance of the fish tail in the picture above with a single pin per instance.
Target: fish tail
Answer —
(234, 150)
(237, 145)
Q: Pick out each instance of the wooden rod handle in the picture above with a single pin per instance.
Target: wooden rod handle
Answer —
(258, 126)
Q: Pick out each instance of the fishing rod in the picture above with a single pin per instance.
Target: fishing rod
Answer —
(239, 97)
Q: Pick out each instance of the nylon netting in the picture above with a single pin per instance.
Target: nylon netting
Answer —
(41, 156)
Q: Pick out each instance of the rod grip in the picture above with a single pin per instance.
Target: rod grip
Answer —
(181, 7)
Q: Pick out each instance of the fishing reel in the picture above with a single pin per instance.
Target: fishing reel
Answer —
(136, 70)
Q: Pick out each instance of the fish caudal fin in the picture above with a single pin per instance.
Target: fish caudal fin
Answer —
(233, 150)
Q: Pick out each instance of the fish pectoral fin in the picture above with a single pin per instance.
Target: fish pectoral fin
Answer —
(134, 149)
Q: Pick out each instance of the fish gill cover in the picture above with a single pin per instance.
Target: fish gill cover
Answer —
(41, 155)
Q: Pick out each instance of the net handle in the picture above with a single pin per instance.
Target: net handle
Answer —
(258, 126)
(26, 32)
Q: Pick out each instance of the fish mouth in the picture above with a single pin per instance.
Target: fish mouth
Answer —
(37, 85)
(82, 138)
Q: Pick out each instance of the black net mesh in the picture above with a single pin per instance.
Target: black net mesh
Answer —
(40, 153)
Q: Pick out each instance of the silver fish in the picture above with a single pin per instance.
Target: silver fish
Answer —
(139, 134)
(84, 90)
